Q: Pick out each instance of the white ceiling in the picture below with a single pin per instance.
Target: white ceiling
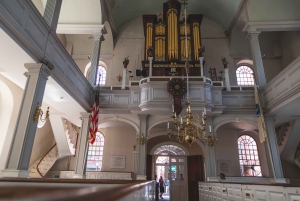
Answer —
(79, 12)
(12, 59)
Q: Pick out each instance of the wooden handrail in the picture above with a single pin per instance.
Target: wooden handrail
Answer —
(37, 166)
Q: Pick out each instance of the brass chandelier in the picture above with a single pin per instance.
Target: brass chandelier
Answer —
(195, 127)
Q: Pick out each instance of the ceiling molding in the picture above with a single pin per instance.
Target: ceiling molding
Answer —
(109, 16)
(79, 28)
(251, 27)
(237, 14)
(88, 56)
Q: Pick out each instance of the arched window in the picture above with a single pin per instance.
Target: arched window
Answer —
(101, 74)
(245, 76)
(95, 154)
(248, 156)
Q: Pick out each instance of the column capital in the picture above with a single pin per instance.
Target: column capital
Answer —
(270, 117)
(37, 68)
(253, 34)
(201, 58)
(98, 36)
(84, 115)
(143, 116)
(150, 58)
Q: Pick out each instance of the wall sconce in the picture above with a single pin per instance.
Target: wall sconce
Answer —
(38, 116)
(211, 140)
(140, 140)
(119, 77)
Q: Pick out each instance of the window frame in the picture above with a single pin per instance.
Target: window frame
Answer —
(99, 66)
(236, 74)
(97, 149)
(258, 155)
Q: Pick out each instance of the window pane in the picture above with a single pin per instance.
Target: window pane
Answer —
(94, 159)
(247, 149)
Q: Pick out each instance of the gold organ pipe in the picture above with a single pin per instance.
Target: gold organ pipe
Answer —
(176, 36)
(172, 36)
(158, 47)
(164, 46)
(151, 31)
(169, 36)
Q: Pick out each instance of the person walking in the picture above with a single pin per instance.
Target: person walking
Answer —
(162, 185)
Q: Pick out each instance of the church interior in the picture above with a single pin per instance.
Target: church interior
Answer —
(181, 100)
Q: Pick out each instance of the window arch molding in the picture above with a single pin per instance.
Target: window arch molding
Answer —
(255, 161)
(169, 143)
(100, 64)
(245, 79)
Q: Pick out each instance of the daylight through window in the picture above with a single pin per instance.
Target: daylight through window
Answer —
(245, 76)
(95, 154)
(102, 75)
(248, 156)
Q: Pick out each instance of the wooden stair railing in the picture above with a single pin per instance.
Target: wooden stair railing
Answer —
(37, 166)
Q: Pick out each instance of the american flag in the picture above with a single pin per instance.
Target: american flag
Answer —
(94, 119)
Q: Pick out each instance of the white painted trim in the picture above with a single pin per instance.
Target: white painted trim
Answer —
(169, 143)
(272, 26)
(87, 56)
(120, 119)
(79, 28)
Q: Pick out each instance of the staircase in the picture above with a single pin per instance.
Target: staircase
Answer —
(71, 132)
(283, 132)
(43, 165)
(65, 134)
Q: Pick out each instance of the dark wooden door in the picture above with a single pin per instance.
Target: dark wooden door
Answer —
(149, 168)
(195, 174)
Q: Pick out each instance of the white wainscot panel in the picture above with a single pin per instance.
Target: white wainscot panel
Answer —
(248, 101)
(136, 97)
(292, 194)
(196, 93)
(160, 94)
(217, 98)
(121, 100)
(144, 95)
(281, 87)
(231, 101)
(105, 100)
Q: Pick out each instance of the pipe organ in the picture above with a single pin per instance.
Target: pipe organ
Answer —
(165, 33)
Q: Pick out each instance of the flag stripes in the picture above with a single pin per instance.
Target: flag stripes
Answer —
(94, 119)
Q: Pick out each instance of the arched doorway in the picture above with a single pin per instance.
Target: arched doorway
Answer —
(170, 163)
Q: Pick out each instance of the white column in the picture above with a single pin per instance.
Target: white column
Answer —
(98, 38)
(150, 66)
(51, 13)
(273, 151)
(227, 81)
(257, 60)
(142, 149)
(124, 78)
(201, 65)
(23, 138)
(210, 158)
(135, 161)
(82, 148)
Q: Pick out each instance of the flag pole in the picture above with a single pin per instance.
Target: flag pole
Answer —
(266, 137)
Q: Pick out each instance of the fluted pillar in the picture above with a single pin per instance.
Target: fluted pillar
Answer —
(124, 78)
(51, 13)
(98, 38)
(210, 158)
(227, 81)
(201, 65)
(257, 59)
(142, 149)
(23, 138)
(83, 145)
(150, 66)
(273, 150)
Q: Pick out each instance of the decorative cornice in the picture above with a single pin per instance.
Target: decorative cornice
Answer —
(88, 56)
(79, 28)
(272, 26)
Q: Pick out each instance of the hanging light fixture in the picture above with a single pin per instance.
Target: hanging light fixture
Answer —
(194, 127)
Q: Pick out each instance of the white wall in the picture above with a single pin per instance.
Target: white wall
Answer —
(17, 94)
(118, 141)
